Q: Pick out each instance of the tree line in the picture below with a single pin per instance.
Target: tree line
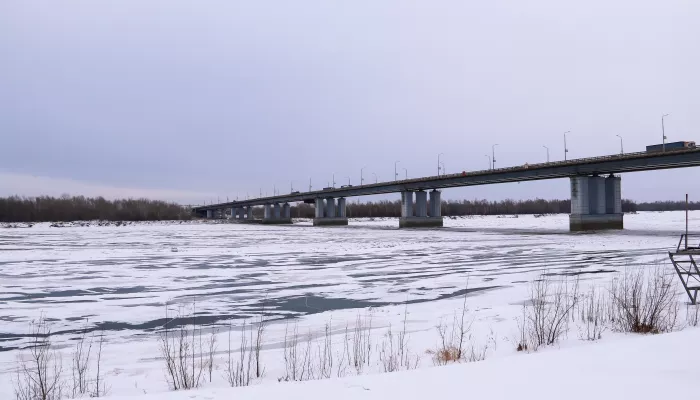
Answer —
(77, 208)
(80, 208)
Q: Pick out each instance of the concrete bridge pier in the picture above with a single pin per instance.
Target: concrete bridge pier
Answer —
(273, 215)
(328, 214)
(249, 213)
(210, 214)
(417, 216)
(596, 203)
(286, 211)
(435, 204)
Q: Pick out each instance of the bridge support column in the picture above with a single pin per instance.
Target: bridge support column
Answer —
(273, 215)
(435, 204)
(210, 214)
(249, 213)
(417, 217)
(328, 215)
(277, 211)
(341, 208)
(596, 203)
(286, 211)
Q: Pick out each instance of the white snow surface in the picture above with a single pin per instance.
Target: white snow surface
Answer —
(120, 278)
(639, 368)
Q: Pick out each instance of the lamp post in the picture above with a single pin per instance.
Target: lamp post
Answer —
(621, 149)
(405, 171)
(333, 180)
(375, 177)
(566, 149)
(493, 155)
(396, 174)
(663, 132)
(348, 180)
(441, 154)
(547, 152)
(489, 157)
(309, 184)
(362, 179)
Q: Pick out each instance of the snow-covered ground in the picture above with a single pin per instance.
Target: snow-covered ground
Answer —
(118, 279)
(640, 368)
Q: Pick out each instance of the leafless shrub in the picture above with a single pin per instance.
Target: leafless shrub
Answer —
(344, 356)
(99, 389)
(81, 363)
(325, 354)
(454, 337)
(548, 310)
(211, 350)
(593, 314)
(361, 354)
(237, 373)
(644, 301)
(179, 348)
(394, 353)
(523, 338)
(39, 373)
(292, 363)
(259, 337)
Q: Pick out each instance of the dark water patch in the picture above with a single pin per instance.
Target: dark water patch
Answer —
(157, 304)
(29, 297)
(457, 293)
(579, 273)
(153, 267)
(84, 317)
(313, 304)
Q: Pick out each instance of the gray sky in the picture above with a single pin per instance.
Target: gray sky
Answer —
(189, 100)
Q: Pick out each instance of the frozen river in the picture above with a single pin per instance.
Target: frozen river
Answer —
(119, 278)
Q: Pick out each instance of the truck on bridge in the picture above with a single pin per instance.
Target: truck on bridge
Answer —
(657, 148)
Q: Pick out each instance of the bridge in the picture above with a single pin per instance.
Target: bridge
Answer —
(596, 200)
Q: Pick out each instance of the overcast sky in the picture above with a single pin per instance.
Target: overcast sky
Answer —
(194, 100)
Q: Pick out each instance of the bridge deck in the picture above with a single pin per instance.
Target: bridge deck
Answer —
(629, 162)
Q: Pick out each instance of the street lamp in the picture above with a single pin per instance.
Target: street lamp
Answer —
(375, 177)
(441, 154)
(566, 149)
(621, 150)
(489, 157)
(444, 171)
(309, 184)
(547, 152)
(663, 132)
(348, 180)
(405, 171)
(493, 155)
(396, 174)
(333, 180)
(362, 179)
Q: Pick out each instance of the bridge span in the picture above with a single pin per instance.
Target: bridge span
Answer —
(596, 195)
